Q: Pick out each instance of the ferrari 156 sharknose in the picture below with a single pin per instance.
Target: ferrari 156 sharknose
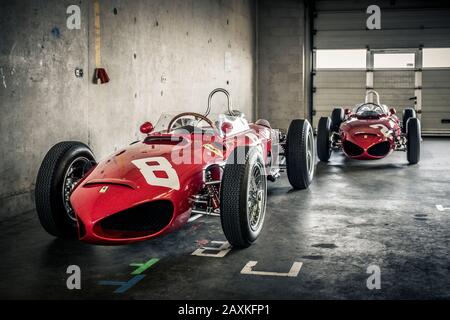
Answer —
(370, 131)
(186, 165)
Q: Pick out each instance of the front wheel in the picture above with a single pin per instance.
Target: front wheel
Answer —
(64, 165)
(413, 136)
(243, 196)
(337, 117)
(323, 139)
(300, 154)
(408, 113)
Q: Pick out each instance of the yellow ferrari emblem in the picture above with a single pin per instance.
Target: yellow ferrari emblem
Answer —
(104, 189)
(213, 150)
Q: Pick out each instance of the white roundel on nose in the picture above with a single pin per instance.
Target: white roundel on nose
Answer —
(148, 167)
(383, 129)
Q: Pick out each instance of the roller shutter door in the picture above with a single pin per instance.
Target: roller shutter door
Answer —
(337, 88)
(436, 101)
(396, 88)
(405, 25)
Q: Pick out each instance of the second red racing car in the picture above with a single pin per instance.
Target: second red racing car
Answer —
(370, 131)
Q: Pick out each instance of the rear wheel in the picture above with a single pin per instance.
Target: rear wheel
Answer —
(408, 113)
(323, 139)
(337, 117)
(243, 196)
(413, 137)
(63, 166)
(300, 155)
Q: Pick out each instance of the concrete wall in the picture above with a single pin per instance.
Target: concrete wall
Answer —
(281, 91)
(161, 55)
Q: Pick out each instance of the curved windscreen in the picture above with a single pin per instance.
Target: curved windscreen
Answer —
(182, 125)
(370, 109)
(191, 125)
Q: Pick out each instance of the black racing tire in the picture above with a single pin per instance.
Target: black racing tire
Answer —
(49, 191)
(300, 154)
(413, 140)
(337, 117)
(407, 114)
(323, 139)
(235, 190)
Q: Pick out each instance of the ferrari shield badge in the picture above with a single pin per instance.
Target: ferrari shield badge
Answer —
(213, 150)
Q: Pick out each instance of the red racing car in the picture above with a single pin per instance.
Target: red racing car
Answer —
(186, 165)
(370, 131)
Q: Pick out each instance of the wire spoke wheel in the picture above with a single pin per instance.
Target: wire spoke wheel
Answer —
(75, 172)
(243, 194)
(310, 154)
(256, 197)
(61, 170)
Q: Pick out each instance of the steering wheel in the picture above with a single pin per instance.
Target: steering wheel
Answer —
(191, 114)
(377, 106)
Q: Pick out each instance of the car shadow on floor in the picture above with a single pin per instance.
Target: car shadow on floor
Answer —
(340, 163)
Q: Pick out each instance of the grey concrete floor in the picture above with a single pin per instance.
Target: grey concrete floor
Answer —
(354, 215)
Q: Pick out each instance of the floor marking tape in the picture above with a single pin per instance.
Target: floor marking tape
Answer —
(143, 266)
(122, 285)
(295, 269)
(222, 251)
(97, 34)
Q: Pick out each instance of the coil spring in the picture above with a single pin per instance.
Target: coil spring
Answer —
(213, 192)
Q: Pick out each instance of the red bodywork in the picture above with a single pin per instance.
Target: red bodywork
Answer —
(116, 185)
(369, 138)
